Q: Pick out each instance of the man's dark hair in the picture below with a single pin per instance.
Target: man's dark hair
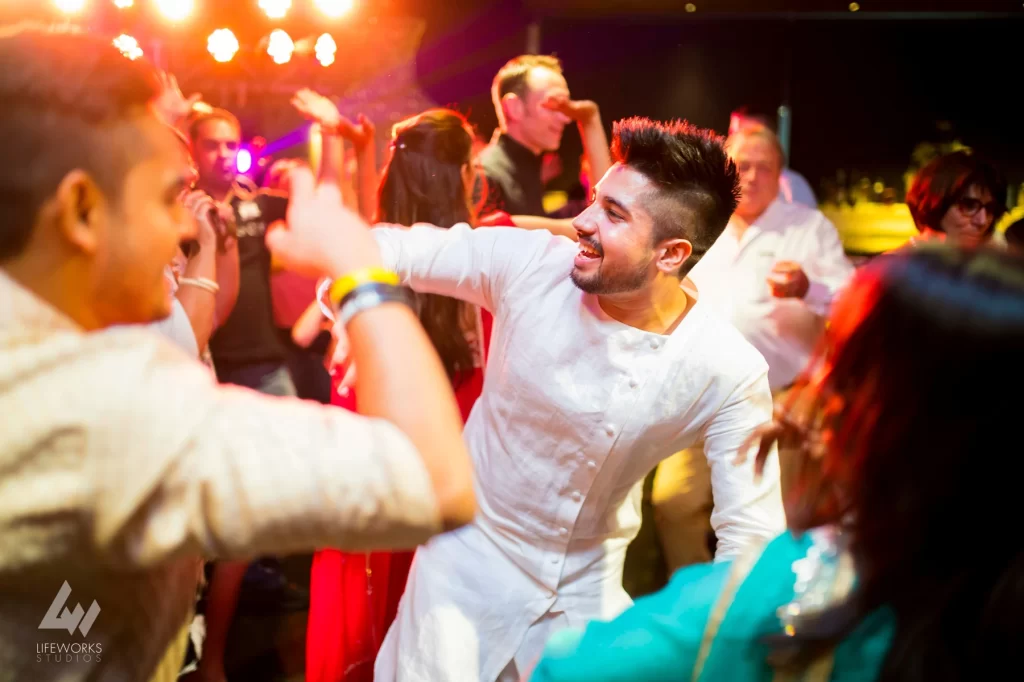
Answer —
(62, 94)
(215, 114)
(512, 77)
(944, 181)
(697, 183)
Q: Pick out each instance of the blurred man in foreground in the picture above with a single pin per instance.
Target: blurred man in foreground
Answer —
(121, 462)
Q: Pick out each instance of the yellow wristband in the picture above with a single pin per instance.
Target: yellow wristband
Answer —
(343, 286)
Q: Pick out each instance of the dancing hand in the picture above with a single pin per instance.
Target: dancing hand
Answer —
(171, 105)
(322, 236)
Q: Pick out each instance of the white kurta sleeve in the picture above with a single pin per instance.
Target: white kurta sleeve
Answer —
(744, 508)
(476, 266)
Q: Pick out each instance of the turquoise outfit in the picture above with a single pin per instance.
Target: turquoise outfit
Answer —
(707, 625)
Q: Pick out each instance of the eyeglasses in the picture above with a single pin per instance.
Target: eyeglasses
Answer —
(970, 206)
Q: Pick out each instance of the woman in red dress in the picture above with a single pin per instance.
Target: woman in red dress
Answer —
(428, 178)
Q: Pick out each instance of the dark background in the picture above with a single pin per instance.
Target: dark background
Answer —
(864, 88)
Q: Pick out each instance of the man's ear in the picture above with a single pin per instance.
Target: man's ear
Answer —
(673, 253)
(79, 205)
(513, 106)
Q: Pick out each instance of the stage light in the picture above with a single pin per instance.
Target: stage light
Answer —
(243, 160)
(123, 4)
(175, 10)
(70, 6)
(325, 49)
(129, 46)
(854, 7)
(334, 8)
(280, 46)
(276, 9)
(222, 44)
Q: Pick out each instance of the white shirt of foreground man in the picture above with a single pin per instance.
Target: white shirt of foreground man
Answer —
(576, 409)
(733, 277)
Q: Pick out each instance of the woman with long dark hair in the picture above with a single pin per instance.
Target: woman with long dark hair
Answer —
(428, 177)
(905, 560)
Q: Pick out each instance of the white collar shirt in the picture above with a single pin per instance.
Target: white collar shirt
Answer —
(733, 277)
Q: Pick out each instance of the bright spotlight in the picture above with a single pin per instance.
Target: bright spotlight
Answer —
(175, 10)
(123, 4)
(222, 44)
(335, 8)
(129, 46)
(243, 160)
(276, 9)
(325, 49)
(70, 6)
(280, 46)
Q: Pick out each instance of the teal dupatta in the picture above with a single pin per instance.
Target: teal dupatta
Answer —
(708, 624)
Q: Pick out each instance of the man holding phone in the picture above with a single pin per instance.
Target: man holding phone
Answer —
(246, 347)
(246, 600)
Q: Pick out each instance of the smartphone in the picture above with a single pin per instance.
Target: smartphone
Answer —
(273, 206)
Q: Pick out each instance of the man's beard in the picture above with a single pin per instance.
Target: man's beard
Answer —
(601, 283)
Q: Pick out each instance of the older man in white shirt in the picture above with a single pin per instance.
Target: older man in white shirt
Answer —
(773, 272)
(777, 266)
(601, 365)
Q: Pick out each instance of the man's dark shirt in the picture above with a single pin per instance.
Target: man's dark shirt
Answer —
(249, 335)
(513, 178)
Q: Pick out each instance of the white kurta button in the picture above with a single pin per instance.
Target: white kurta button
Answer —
(655, 344)
(609, 429)
(591, 464)
(563, 531)
(576, 495)
(633, 383)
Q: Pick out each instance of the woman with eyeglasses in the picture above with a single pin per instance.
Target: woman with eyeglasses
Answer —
(957, 197)
(904, 561)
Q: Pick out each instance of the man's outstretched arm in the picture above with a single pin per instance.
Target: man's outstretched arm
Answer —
(476, 266)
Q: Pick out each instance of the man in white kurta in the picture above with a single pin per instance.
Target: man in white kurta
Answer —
(576, 409)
